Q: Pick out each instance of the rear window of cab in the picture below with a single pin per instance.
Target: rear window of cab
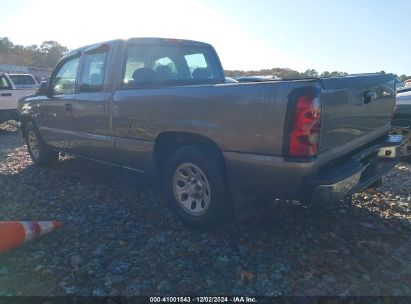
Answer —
(170, 64)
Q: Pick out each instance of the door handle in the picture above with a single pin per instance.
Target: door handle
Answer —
(5, 94)
(68, 107)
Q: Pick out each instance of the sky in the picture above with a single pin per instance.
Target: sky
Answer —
(354, 36)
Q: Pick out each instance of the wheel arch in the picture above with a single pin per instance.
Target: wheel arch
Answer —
(24, 120)
(167, 143)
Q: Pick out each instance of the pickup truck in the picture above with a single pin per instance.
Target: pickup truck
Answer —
(163, 107)
(9, 96)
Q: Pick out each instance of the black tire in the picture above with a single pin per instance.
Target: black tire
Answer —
(42, 155)
(219, 208)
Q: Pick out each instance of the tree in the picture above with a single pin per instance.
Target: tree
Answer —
(53, 51)
(403, 77)
(325, 74)
(333, 74)
(338, 74)
(5, 45)
(311, 73)
(44, 56)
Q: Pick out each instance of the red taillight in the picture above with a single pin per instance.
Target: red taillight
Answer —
(306, 126)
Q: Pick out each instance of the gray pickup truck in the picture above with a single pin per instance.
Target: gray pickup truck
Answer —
(163, 107)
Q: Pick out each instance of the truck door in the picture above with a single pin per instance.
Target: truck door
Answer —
(91, 122)
(57, 110)
(8, 101)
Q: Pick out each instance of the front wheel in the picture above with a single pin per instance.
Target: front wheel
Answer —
(195, 189)
(39, 152)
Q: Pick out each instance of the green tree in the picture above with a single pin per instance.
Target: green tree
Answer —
(338, 74)
(44, 56)
(311, 73)
(404, 77)
(5, 45)
(53, 51)
(325, 74)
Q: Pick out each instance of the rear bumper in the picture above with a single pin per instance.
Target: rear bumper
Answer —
(353, 175)
(273, 177)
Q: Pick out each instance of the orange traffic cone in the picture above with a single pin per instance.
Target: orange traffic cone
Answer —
(13, 233)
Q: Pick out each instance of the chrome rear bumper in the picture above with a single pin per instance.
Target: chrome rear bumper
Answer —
(356, 174)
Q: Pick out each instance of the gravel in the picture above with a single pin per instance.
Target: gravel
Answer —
(119, 238)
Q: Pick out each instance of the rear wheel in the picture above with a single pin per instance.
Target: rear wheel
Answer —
(39, 152)
(195, 189)
(405, 148)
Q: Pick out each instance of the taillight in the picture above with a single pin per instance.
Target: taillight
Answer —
(306, 126)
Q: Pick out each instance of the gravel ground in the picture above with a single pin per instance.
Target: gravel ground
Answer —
(119, 238)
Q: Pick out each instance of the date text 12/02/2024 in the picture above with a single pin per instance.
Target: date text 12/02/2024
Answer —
(234, 299)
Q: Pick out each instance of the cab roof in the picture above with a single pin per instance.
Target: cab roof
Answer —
(144, 40)
(167, 40)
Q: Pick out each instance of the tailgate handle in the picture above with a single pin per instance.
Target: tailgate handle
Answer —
(5, 94)
(368, 95)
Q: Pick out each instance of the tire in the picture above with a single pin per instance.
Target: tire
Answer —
(39, 152)
(195, 188)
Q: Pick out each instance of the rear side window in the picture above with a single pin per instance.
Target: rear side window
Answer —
(65, 78)
(4, 83)
(92, 75)
(170, 64)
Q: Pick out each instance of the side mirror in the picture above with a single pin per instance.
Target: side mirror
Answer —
(43, 88)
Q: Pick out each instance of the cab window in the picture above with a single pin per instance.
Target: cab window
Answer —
(170, 64)
(4, 83)
(65, 78)
(195, 61)
(23, 79)
(92, 75)
(165, 61)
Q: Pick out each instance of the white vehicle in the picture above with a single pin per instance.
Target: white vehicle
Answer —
(402, 123)
(9, 96)
(24, 81)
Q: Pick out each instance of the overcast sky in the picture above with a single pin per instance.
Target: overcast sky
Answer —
(352, 35)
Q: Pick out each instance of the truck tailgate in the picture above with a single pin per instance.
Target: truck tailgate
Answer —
(355, 107)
